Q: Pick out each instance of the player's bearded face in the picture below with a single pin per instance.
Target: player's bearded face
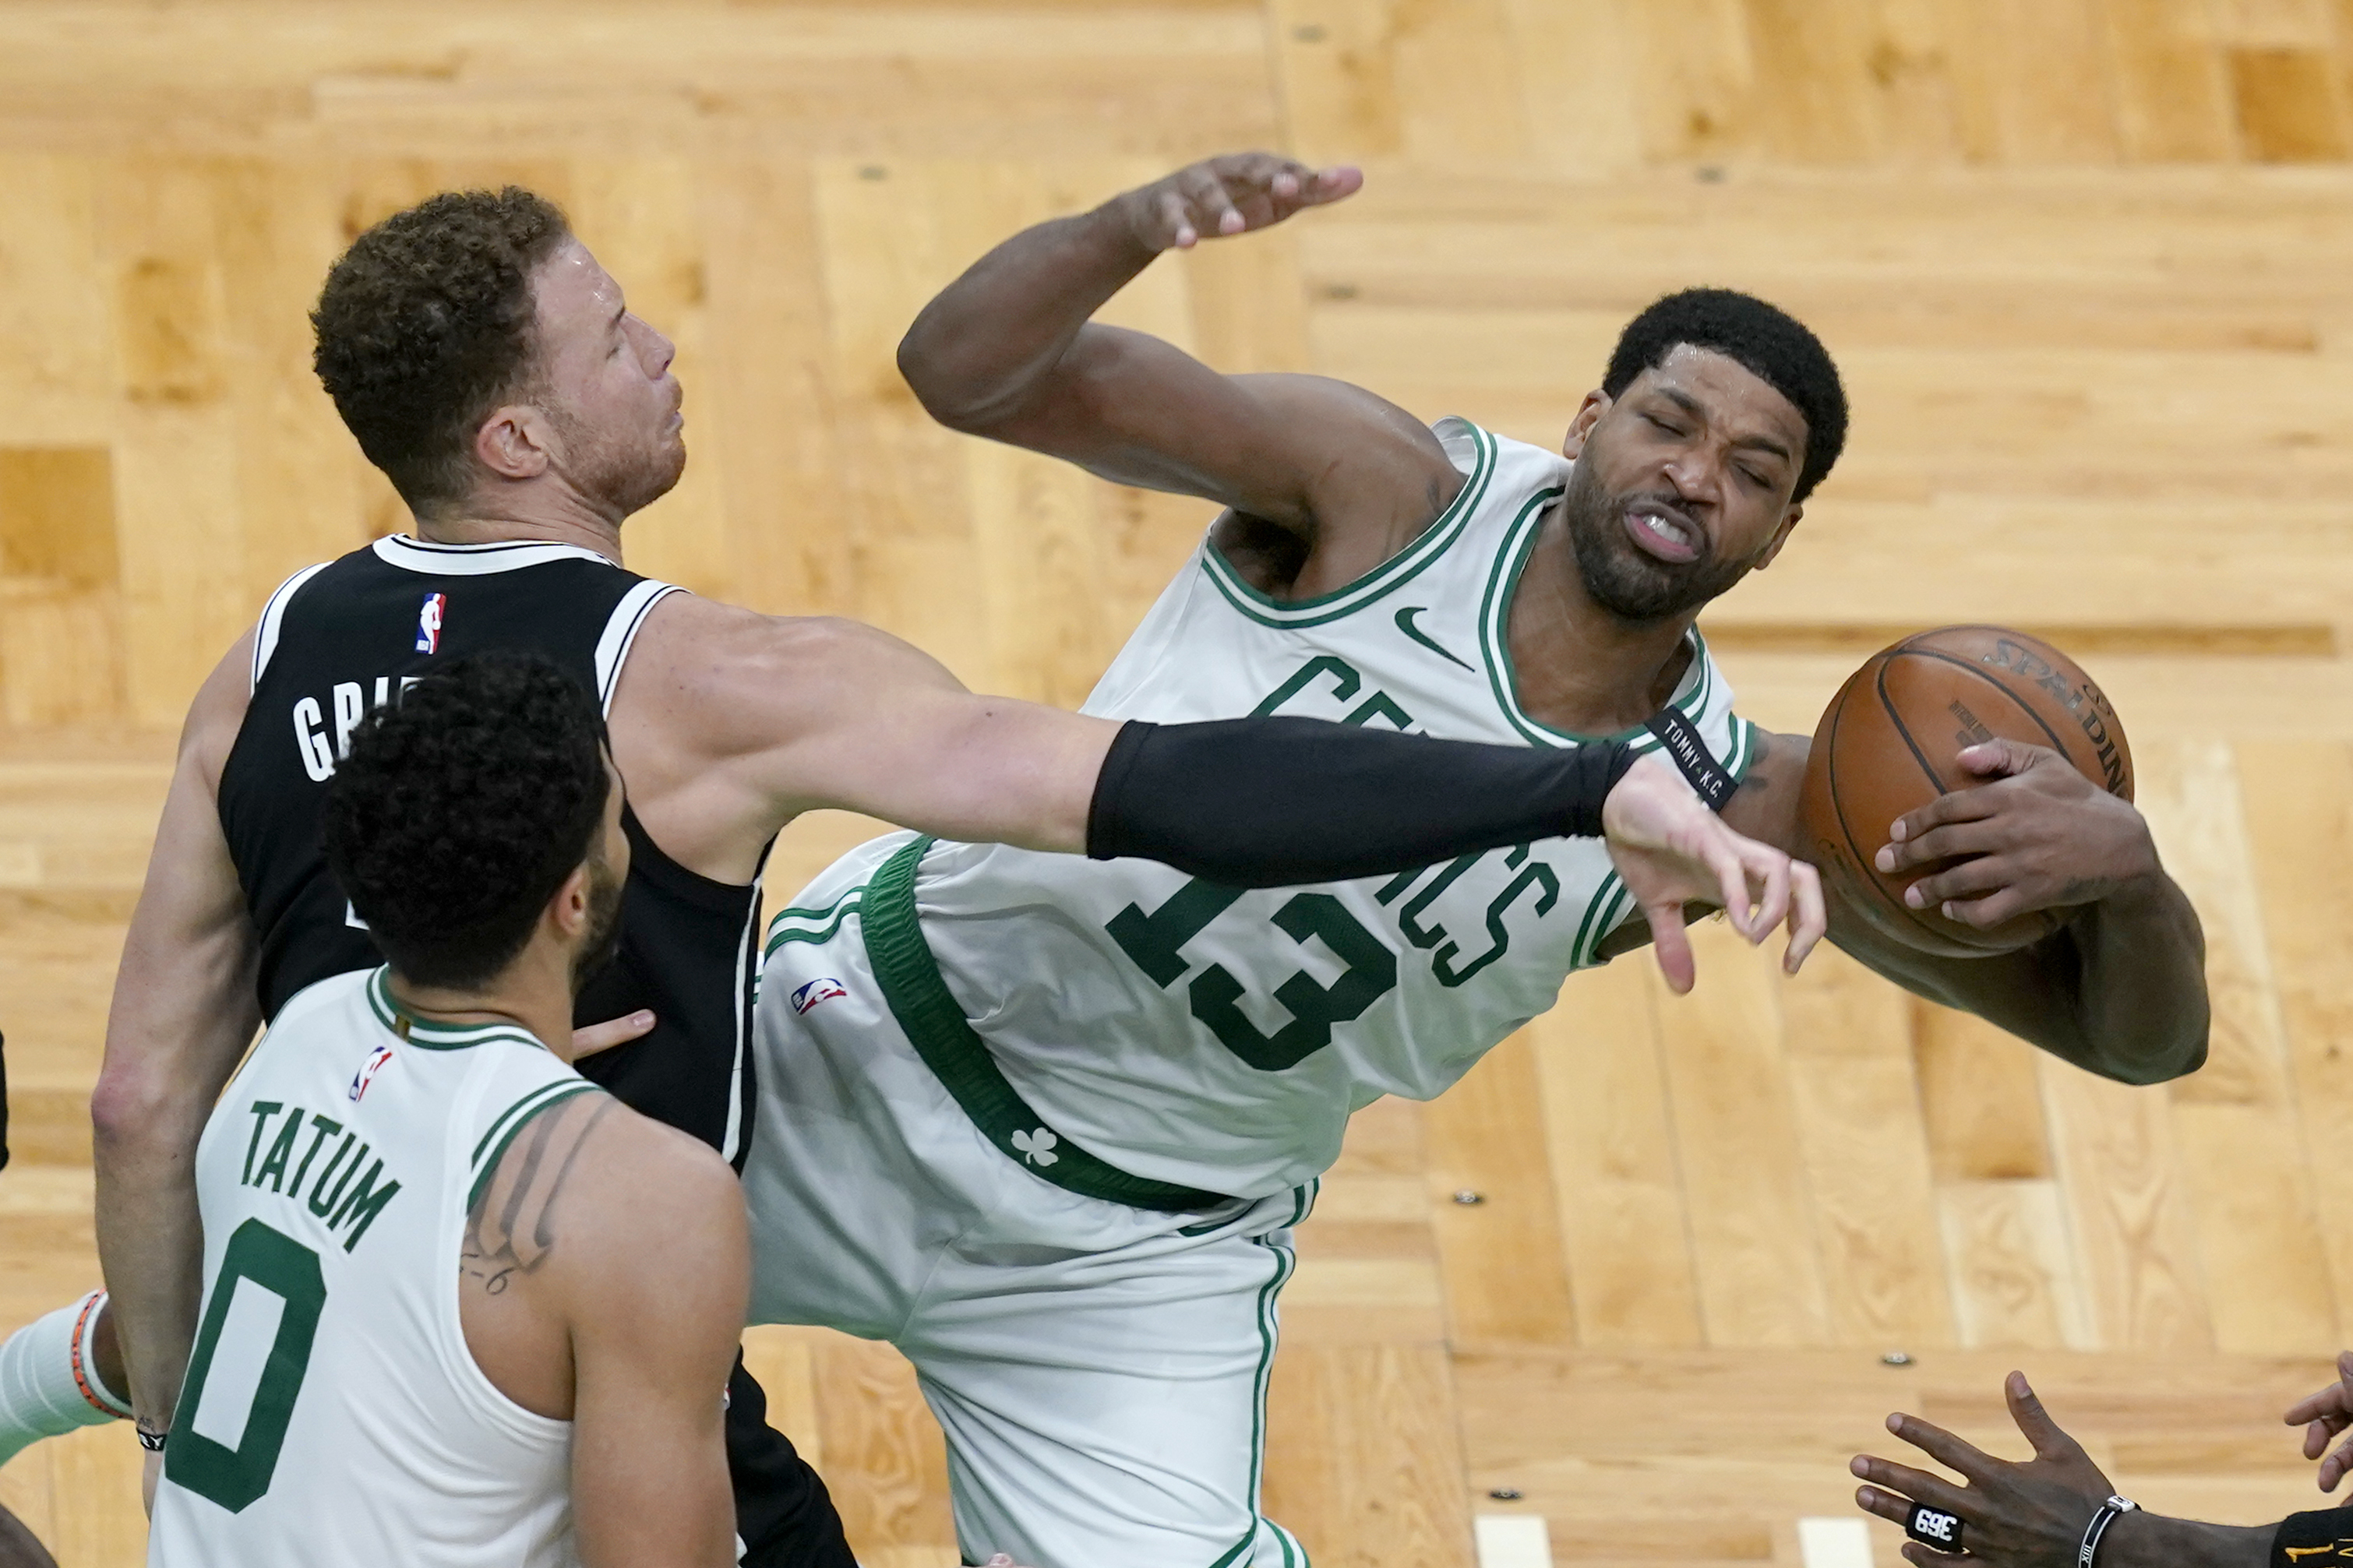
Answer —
(602, 938)
(1620, 576)
(621, 464)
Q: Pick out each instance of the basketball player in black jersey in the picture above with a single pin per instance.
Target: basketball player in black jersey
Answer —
(488, 365)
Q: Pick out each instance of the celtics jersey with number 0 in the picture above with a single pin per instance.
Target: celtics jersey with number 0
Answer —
(1215, 1039)
(331, 1411)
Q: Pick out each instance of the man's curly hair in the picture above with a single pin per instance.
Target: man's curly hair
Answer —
(460, 810)
(1770, 342)
(425, 325)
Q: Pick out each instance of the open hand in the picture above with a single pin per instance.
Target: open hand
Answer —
(1235, 193)
(2038, 836)
(1672, 850)
(2323, 1416)
(2013, 1516)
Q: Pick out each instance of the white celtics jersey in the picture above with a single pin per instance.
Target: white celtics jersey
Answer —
(1207, 1037)
(331, 1411)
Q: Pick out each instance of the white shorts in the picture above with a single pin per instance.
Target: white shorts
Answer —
(1100, 1370)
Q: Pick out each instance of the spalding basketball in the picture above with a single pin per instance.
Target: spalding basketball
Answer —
(1890, 743)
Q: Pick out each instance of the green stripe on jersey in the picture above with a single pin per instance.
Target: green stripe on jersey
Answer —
(529, 1106)
(431, 1036)
(909, 978)
(810, 925)
(1390, 574)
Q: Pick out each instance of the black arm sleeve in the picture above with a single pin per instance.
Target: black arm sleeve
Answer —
(1268, 802)
(2318, 1540)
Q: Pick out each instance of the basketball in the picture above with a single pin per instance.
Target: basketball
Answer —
(1890, 742)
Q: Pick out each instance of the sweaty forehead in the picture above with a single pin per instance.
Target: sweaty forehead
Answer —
(1729, 392)
(571, 287)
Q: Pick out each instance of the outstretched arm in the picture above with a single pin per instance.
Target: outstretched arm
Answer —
(183, 1013)
(2119, 990)
(1008, 351)
(729, 723)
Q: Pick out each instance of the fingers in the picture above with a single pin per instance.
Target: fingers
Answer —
(1810, 916)
(1756, 883)
(1887, 1505)
(1941, 1446)
(1970, 879)
(1999, 758)
(613, 1032)
(1917, 1485)
(1950, 841)
(1671, 945)
(2336, 1466)
(1236, 194)
(2034, 1422)
(1958, 806)
(1175, 220)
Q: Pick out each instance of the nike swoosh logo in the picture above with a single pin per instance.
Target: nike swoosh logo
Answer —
(1404, 624)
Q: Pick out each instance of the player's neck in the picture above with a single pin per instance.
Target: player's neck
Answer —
(545, 510)
(1576, 667)
(534, 992)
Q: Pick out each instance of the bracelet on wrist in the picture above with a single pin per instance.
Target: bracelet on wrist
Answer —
(2097, 1531)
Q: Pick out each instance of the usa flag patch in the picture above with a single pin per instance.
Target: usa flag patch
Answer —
(428, 622)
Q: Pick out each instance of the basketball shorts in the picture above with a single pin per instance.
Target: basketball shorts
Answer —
(1099, 1371)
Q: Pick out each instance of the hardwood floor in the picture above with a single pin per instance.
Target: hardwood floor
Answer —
(2083, 264)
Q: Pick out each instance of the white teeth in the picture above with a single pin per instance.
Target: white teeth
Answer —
(1665, 528)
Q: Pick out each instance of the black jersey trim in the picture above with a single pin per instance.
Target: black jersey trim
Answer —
(621, 630)
(433, 559)
(273, 620)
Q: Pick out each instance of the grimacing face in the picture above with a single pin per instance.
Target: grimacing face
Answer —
(1682, 486)
(604, 378)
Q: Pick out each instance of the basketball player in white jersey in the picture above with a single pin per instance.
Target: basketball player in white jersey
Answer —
(491, 369)
(1046, 1125)
(461, 1306)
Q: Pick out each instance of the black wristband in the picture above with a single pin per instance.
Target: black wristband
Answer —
(2322, 1539)
(1273, 802)
(2097, 1530)
(1680, 743)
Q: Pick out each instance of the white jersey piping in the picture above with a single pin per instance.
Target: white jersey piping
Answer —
(273, 617)
(477, 560)
(621, 632)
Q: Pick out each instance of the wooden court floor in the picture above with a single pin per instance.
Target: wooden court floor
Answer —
(2083, 265)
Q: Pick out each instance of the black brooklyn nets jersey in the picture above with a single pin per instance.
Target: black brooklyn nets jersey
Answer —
(340, 639)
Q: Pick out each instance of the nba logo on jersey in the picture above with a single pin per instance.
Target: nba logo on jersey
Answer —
(817, 991)
(376, 1063)
(428, 622)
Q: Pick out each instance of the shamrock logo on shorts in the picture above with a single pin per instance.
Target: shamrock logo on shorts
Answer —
(1037, 1148)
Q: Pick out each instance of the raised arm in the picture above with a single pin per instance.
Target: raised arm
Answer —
(183, 1013)
(2119, 990)
(1008, 351)
(652, 1268)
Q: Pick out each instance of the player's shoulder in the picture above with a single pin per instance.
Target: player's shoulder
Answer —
(726, 649)
(619, 1189)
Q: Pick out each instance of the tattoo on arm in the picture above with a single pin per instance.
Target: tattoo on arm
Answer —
(512, 1229)
(1760, 775)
